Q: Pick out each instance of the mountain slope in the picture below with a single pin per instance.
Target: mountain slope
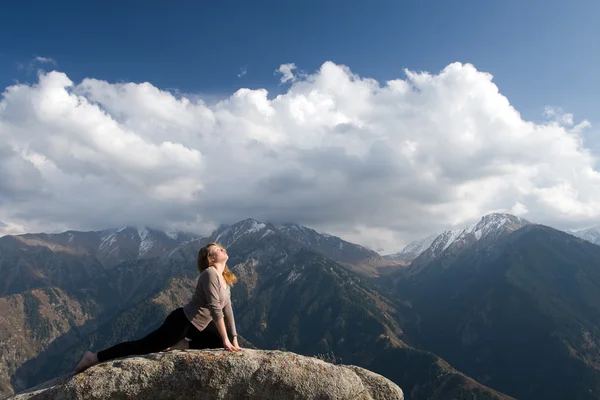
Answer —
(27, 263)
(113, 246)
(521, 314)
(49, 285)
(358, 258)
(289, 297)
(31, 321)
(592, 234)
(490, 228)
(413, 249)
(304, 302)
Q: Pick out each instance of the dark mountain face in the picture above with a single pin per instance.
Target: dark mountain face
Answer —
(520, 314)
(294, 298)
(288, 296)
(359, 259)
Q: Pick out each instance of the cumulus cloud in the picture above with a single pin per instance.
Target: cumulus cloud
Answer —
(378, 163)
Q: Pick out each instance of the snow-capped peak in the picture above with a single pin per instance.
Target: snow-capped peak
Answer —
(173, 235)
(490, 226)
(146, 241)
(107, 242)
(256, 226)
(143, 233)
(295, 229)
(413, 249)
(230, 234)
(305, 235)
(592, 234)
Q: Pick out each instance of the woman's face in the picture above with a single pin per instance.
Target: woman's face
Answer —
(217, 254)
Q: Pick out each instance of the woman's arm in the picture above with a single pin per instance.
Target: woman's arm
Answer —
(229, 319)
(230, 322)
(212, 287)
(223, 332)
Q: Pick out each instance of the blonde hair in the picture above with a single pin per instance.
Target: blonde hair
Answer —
(203, 263)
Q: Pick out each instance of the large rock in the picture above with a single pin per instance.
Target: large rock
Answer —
(217, 374)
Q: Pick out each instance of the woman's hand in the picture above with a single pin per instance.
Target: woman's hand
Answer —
(235, 343)
(229, 346)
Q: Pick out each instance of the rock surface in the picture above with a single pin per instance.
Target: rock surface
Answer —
(216, 374)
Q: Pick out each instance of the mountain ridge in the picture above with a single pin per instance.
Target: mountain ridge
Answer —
(591, 234)
(487, 229)
(514, 309)
(110, 246)
(278, 273)
(413, 249)
(288, 296)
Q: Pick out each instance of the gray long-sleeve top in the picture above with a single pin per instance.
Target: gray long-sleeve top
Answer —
(210, 301)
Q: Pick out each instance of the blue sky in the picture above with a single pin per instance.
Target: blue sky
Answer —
(438, 157)
(540, 52)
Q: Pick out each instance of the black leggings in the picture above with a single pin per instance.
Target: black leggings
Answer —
(175, 328)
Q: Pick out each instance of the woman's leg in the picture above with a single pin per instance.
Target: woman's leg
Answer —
(208, 338)
(183, 344)
(169, 333)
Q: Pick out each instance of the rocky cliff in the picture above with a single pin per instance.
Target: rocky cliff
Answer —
(216, 374)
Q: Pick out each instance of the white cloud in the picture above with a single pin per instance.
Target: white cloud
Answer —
(379, 163)
(35, 62)
(44, 60)
(286, 72)
(243, 72)
(519, 209)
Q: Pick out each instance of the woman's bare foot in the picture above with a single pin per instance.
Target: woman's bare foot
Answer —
(181, 345)
(89, 359)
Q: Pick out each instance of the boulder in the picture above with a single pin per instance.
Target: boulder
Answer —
(217, 374)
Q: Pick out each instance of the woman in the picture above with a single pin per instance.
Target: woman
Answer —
(204, 320)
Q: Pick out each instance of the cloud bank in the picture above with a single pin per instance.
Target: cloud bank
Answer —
(379, 163)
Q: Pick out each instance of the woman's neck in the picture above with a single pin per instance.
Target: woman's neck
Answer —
(219, 267)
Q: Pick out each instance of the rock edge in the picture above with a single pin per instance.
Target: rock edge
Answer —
(217, 374)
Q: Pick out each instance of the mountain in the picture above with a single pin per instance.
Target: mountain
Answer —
(520, 313)
(487, 230)
(289, 297)
(84, 263)
(358, 258)
(56, 289)
(248, 229)
(31, 322)
(113, 246)
(413, 249)
(592, 234)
